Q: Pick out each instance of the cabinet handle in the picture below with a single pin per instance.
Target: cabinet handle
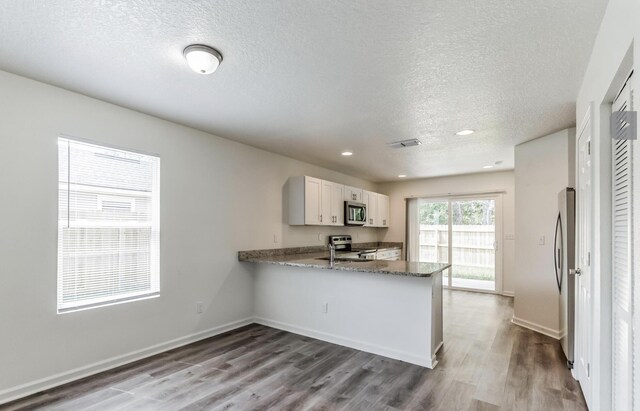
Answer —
(320, 217)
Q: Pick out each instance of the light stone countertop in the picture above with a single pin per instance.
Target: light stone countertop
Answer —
(314, 260)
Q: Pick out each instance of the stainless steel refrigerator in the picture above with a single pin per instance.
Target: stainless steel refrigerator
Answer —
(564, 261)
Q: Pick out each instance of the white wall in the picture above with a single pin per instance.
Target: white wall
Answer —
(366, 311)
(616, 51)
(542, 171)
(217, 197)
(469, 183)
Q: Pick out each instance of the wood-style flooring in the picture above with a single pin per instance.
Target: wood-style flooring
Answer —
(486, 363)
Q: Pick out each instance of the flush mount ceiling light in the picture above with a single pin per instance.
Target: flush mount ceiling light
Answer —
(347, 153)
(202, 59)
(402, 175)
(465, 132)
(487, 166)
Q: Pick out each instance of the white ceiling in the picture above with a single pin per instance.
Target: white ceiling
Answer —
(309, 79)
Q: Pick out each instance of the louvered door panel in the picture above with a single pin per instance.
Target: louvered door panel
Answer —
(624, 363)
(635, 261)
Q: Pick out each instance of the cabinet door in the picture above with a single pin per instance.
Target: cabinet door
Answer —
(371, 200)
(383, 210)
(312, 202)
(337, 204)
(326, 218)
(353, 194)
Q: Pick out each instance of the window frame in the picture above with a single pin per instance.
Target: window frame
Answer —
(154, 241)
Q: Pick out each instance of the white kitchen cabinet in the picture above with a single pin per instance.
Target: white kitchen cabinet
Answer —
(337, 204)
(353, 194)
(332, 203)
(377, 209)
(383, 210)
(371, 200)
(313, 201)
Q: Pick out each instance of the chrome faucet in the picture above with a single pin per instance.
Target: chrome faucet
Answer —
(332, 253)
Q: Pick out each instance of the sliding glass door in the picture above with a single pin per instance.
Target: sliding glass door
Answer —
(473, 230)
(461, 231)
(433, 241)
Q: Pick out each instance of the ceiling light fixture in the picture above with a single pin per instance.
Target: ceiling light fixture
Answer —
(347, 153)
(402, 175)
(487, 167)
(202, 59)
(465, 132)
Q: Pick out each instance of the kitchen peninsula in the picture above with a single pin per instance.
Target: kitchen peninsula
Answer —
(370, 305)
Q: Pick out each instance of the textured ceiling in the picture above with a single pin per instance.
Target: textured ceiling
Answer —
(309, 79)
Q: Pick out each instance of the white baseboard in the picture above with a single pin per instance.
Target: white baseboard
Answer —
(348, 342)
(508, 293)
(24, 390)
(536, 327)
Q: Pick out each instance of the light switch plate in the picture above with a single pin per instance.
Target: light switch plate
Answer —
(541, 240)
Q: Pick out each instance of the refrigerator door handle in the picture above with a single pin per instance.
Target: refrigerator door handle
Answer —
(557, 253)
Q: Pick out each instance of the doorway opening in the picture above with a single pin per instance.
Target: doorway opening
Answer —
(464, 232)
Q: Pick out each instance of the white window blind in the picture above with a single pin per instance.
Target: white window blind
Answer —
(108, 225)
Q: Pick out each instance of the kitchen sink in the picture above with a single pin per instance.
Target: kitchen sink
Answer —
(339, 259)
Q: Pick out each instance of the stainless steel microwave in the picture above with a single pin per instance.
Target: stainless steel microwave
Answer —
(355, 213)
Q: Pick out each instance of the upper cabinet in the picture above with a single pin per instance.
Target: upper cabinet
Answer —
(353, 194)
(313, 201)
(332, 203)
(383, 210)
(371, 200)
(377, 209)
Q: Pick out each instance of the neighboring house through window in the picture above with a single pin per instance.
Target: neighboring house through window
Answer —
(108, 225)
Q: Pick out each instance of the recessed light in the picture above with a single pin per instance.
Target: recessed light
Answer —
(402, 175)
(202, 59)
(487, 167)
(465, 132)
(347, 153)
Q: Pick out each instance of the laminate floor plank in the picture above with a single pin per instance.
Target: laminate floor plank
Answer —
(486, 364)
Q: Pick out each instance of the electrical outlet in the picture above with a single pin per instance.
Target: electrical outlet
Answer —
(325, 308)
(541, 240)
(319, 237)
(199, 307)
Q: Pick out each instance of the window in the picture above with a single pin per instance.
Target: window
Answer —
(108, 225)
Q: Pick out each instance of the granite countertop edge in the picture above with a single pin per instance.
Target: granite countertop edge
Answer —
(397, 268)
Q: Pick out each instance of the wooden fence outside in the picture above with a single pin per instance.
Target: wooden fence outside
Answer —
(473, 245)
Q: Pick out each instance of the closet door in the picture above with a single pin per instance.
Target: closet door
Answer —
(625, 344)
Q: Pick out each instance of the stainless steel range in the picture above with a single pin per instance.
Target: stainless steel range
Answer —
(344, 249)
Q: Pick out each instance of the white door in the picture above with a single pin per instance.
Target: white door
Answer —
(371, 200)
(583, 261)
(325, 203)
(312, 204)
(352, 194)
(337, 204)
(623, 336)
(383, 210)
